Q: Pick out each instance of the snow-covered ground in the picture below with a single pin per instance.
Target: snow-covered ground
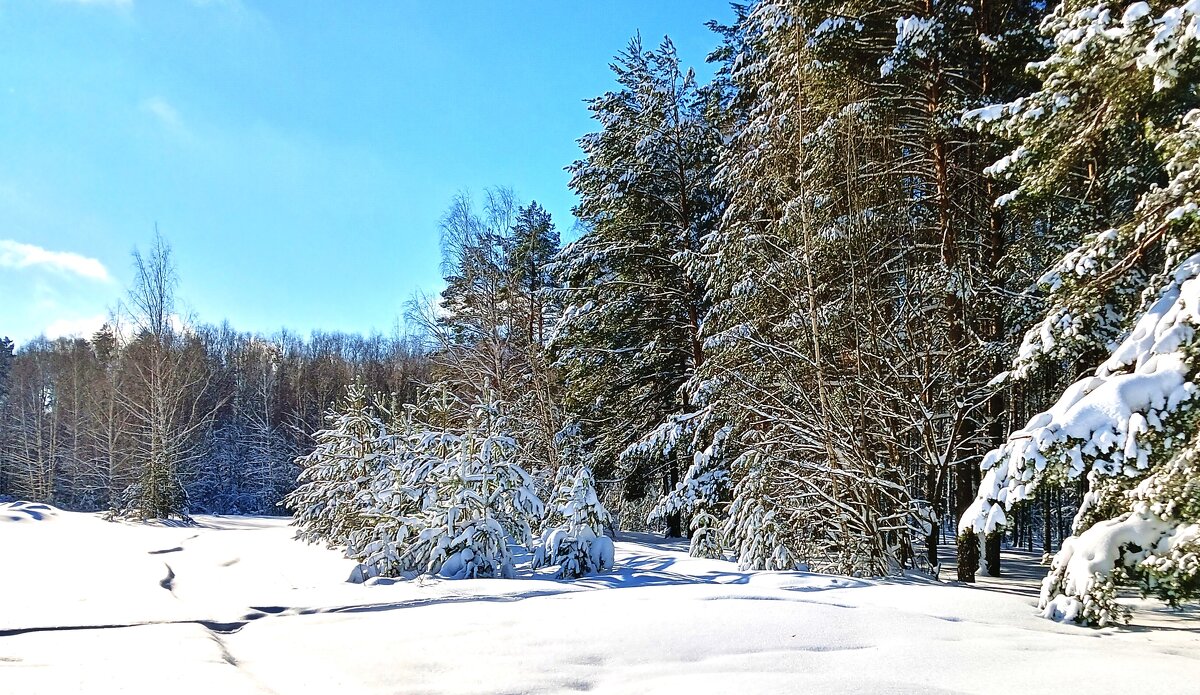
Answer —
(235, 606)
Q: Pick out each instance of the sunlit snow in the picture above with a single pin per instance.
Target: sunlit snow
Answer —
(234, 605)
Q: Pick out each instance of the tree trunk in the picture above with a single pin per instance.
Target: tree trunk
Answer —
(675, 520)
(1047, 529)
(992, 553)
(968, 556)
(968, 545)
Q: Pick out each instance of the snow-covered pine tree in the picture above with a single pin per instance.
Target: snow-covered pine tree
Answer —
(629, 336)
(393, 500)
(707, 536)
(794, 272)
(1116, 124)
(531, 244)
(575, 536)
(479, 499)
(348, 454)
(702, 492)
(946, 57)
(757, 528)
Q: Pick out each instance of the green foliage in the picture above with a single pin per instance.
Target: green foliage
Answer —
(629, 334)
(349, 452)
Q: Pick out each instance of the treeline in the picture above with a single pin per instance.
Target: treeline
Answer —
(155, 418)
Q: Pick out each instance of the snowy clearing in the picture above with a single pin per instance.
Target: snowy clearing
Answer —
(234, 605)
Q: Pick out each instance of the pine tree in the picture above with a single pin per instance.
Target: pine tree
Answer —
(856, 276)
(536, 413)
(348, 454)
(1115, 125)
(629, 336)
(479, 498)
(794, 270)
(575, 539)
(531, 246)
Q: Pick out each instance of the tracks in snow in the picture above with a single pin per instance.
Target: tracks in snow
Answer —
(168, 582)
(228, 627)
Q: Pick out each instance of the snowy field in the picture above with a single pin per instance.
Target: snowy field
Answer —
(235, 606)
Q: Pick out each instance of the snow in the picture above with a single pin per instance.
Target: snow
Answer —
(913, 36)
(234, 605)
(1143, 383)
(1167, 325)
(1095, 553)
(1127, 420)
(834, 24)
(1175, 33)
(1134, 12)
(1159, 44)
(1005, 162)
(987, 114)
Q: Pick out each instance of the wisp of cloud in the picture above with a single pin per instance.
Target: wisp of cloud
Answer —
(14, 254)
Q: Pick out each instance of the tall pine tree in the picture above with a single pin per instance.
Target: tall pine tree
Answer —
(630, 337)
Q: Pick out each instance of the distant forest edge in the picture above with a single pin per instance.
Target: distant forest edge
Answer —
(897, 271)
(83, 420)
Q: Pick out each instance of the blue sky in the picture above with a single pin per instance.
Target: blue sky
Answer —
(297, 155)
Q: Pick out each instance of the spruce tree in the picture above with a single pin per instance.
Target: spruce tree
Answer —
(394, 498)
(629, 336)
(575, 539)
(327, 503)
(478, 498)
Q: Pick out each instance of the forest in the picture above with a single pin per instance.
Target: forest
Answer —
(900, 276)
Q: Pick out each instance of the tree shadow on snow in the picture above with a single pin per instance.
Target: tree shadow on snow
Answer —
(653, 571)
(25, 511)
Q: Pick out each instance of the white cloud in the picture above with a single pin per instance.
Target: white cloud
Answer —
(75, 328)
(14, 254)
(162, 110)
